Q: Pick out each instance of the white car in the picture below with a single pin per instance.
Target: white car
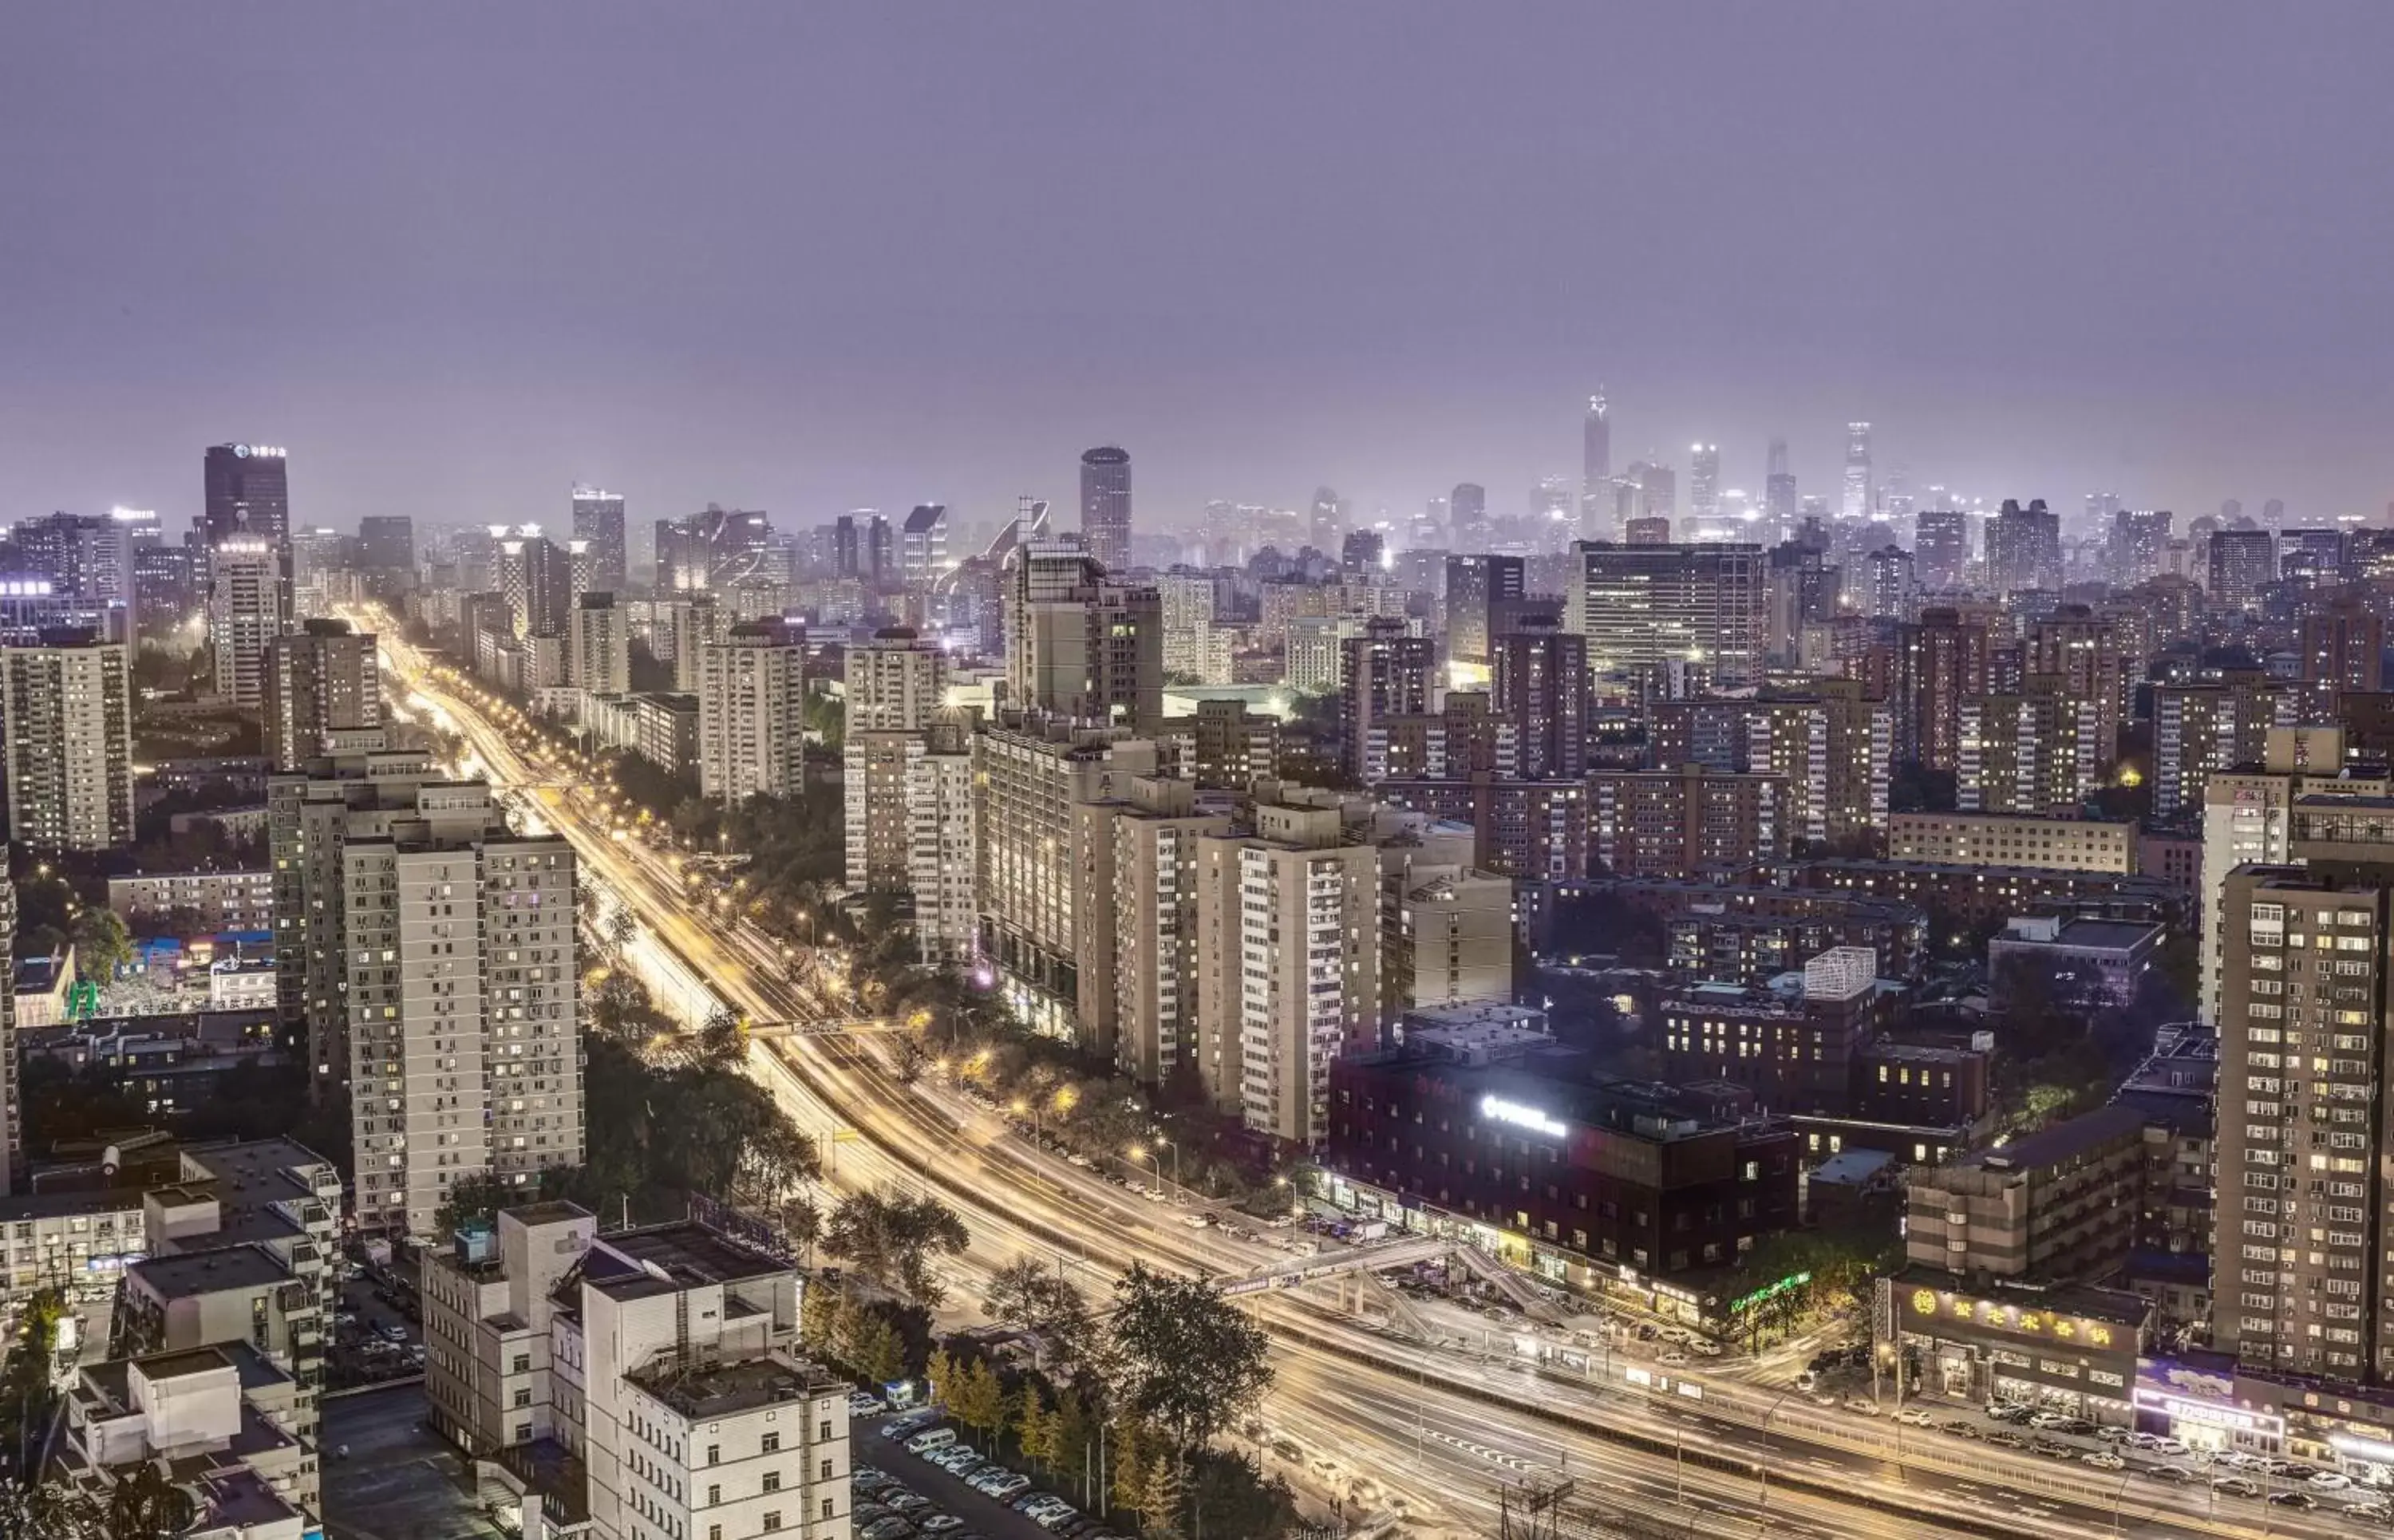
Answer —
(1673, 1358)
(2103, 1459)
(2169, 1449)
(1913, 1416)
(1703, 1349)
(1862, 1405)
(2331, 1480)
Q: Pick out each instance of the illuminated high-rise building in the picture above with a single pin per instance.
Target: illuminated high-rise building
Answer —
(1856, 503)
(248, 493)
(1468, 512)
(1703, 480)
(1596, 459)
(246, 611)
(1940, 547)
(598, 519)
(1780, 509)
(1105, 505)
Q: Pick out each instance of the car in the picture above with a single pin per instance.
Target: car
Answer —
(864, 1403)
(908, 1501)
(1862, 1405)
(1673, 1358)
(2376, 1509)
(2329, 1481)
(2008, 1411)
(2046, 1420)
(2103, 1459)
(940, 1523)
(1913, 1416)
(2112, 1435)
(2077, 1427)
(1703, 1349)
(1808, 1382)
(1959, 1429)
(2295, 1470)
(912, 1423)
(2135, 1440)
(956, 1458)
(891, 1528)
(937, 1438)
(868, 1513)
(2236, 1486)
(391, 1332)
(868, 1473)
(1003, 1484)
(2004, 1437)
(2294, 1499)
(2166, 1473)
(1056, 1518)
(2054, 1449)
(2168, 1449)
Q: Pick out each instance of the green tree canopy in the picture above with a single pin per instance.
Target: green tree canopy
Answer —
(1182, 1357)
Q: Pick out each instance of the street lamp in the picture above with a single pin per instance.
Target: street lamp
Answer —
(1139, 1153)
(1176, 1163)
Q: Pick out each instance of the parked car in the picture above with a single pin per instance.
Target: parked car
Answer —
(1959, 1429)
(1913, 1416)
(1808, 1382)
(866, 1404)
(1862, 1405)
(937, 1438)
(2177, 1473)
(2005, 1437)
(891, 1528)
(939, 1524)
(2330, 1480)
(1672, 1359)
(2236, 1486)
(2103, 1459)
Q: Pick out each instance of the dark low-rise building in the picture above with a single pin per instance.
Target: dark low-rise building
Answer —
(1583, 1180)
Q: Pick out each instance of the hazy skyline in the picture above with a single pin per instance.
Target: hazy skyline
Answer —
(808, 258)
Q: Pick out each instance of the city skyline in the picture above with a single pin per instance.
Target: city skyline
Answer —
(936, 312)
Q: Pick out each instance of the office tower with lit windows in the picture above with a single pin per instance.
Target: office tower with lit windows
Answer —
(1890, 589)
(88, 560)
(246, 614)
(1595, 464)
(1943, 661)
(598, 520)
(1941, 549)
(752, 698)
(1386, 672)
(1080, 645)
(2023, 547)
(1543, 691)
(1780, 508)
(387, 543)
(322, 694)
(690, 623)
(247, 494)
(1855, 502)
(2140, 541)
(1703, 480)
(1105, 507)
(535, 575)
(1640, 606)
(922, 544)
(1477, 586)
(2243, 563)
(65, 705)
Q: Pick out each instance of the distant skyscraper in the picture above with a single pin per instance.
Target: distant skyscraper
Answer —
(1475, 586)
(2243, 563)
(1595, 449)
(1468, 512)
(1703, 480)
(1856, 501)
(1941, 547)
(1329, 520)
(1105, 505)
(1640, 606)
(2273, 513)
(1778, 506)
(387, 543)
(248, 493)
(2024, 548)
(598, 519)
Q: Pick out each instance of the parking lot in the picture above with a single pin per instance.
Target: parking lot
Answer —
(397, 1481)
(923, 1499)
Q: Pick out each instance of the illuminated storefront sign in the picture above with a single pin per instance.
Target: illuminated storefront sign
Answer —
(1519, 1117)
(1930, 1305)
(2210, 1414)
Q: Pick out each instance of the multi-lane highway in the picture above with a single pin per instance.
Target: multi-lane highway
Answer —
(1384, 1417)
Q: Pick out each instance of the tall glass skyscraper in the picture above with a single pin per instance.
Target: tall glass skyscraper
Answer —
(1857, 503)
(598, 519)
(1105, 505)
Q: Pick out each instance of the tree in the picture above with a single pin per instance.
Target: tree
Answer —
(720, 1040)
(1027, 1297)
(1070, 1430)
(471, 1197)
(893, 1238)
(979, 1400)
(1160, 1496)
(1228, 1494)
(1133, 1452)
(1182, 1357)
(1034, 1427)
(622, 929)
(103, 944)
(878, 1354)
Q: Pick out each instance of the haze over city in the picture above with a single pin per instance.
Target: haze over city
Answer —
(808, 259)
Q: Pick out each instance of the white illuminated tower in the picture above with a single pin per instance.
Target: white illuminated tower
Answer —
(1856, 501)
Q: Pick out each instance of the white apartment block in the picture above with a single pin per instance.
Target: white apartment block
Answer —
(941, 844)
(464, 1037)
(67, 713)
(661, 1361)
(751, 695)
(222, 901)
(598, 645)
(1288, 966)
(245, 615)
(1139, 973)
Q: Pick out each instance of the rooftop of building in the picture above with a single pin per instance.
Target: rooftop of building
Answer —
(2062, 1142)
(1851, 1167)
(239, 1501)
(2091, 935)
(2087, 1301)
(1526, 1101)
(213, 1272)
(701, 1393)
(669, 1258)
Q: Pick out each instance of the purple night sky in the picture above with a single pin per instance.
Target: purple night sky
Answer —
(806, 257)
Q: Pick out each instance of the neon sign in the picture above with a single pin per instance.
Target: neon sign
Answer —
(1519, 1117)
